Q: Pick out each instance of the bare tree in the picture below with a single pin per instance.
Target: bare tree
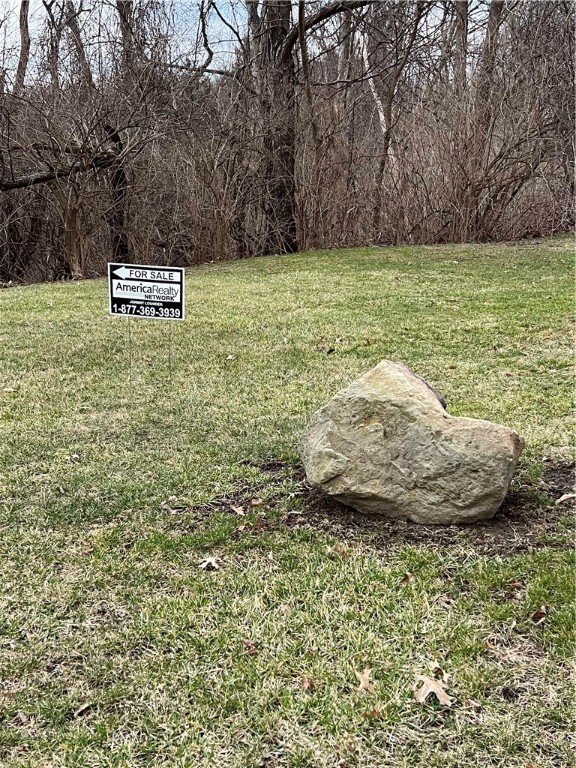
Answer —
(228, 128)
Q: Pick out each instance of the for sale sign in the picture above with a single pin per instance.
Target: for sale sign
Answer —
(137, 290)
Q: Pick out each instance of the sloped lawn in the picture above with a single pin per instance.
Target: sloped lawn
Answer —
(119, 480)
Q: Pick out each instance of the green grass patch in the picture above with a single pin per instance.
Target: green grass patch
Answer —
(117, 649)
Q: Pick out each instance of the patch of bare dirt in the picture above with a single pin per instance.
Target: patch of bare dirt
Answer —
(528, 520)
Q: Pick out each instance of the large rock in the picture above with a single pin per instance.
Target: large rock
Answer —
(386, 445)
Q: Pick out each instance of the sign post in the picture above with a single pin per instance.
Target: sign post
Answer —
(153, 293)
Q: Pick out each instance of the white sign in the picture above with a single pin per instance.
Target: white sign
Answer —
(137, 290)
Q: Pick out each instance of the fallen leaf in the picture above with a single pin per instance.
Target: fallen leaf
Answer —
(407, 578)
(285, 609)
(238, 510)
(308, 684)
(372, 714)
(250, 647)
(339, 550)
(539, 616)
(257, 502)
(439, 673)
(84, 708)
(565, 497)
(172, 499)
(430, 686)
(209, 564)
(444, 601)
(231, 357)
(476, 706)
(241, 527)
(364, 678)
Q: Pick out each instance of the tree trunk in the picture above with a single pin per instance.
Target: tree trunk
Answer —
(118, 187)
(24, 48)
(461, 47)
(482, 115)
(74, 27)
(276, 91)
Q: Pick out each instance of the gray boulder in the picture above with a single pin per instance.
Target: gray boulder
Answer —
(386, 445)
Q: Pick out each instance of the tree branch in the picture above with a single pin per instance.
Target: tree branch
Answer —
(101, 160)
(316, 18)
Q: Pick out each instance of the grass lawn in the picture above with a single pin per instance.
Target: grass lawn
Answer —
(118, 649)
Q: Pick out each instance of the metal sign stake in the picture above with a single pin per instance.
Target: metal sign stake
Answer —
(130, 353)
(170, 353)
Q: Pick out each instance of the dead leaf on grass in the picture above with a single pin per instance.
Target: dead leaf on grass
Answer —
(439, 673)
(250, 647)
(339, 550)
(84, 708)
(257, 502)
(539, 616)
(364, 678)
(444, 601)
(430, 686)
(372, 714)
(285, 609)
(308, 685)
(407, 578)
(238, 511)
(209, 564)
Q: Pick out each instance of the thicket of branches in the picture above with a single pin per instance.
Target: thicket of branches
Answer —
(166, 132)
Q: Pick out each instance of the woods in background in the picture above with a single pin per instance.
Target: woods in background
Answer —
(184, 132)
